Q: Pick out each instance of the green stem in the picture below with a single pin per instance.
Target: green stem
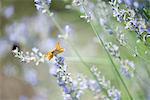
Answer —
(76, 52)
(109, 56)
(60, 29)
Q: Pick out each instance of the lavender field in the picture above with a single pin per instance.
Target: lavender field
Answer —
(75, 50)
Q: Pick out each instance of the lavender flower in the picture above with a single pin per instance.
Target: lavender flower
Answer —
(85, 4)
(72, 89)
(134, 21)
(64, 80)
(112, 92)
(113, 50)
(134, 3)
(122, 39)
(128, 2)
(127, 68)
(42, 5)
(79, 2)
(88, 16)
(27, 57)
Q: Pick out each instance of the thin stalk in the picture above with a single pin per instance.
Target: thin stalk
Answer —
(115, 74)
(87, 66)
(83, 62)
(138, 55)
(109, 56)
(69, 42)
(74, 49)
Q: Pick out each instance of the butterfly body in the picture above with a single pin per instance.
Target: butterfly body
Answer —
(54, 52)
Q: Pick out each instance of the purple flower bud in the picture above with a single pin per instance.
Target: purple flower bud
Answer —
(120, 1)
(60, 60)
(128, 2)
(40, 5)
(60, 82)
(66, 90)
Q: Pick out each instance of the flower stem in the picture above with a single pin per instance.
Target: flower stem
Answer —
(109, 56)
(101, 42)
(72, 46)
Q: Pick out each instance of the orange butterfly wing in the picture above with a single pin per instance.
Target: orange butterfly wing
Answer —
(59, 49)
(49, 55)
(54, 52)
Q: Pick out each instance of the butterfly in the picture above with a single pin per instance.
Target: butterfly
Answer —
(54, 52)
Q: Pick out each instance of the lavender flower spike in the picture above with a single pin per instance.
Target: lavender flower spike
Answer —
(42, 5)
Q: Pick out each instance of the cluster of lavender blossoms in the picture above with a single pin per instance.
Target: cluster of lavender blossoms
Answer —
(127, 68)
(72, 89)
(102, 88)
(133, 20)
(59, 71)
(27, 57)
(42, 5)
(101, 13)
(86, 8)
(111, 93)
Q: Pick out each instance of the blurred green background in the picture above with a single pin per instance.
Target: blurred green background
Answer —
(21, 81)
